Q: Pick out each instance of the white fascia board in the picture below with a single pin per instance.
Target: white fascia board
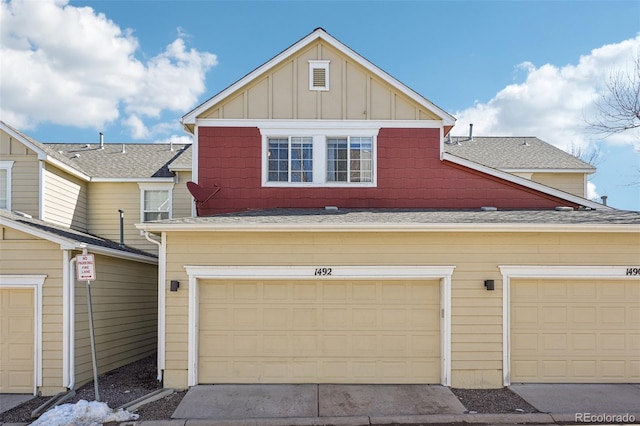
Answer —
(71, 244)
(587, 272)
(401, 227)
(320, 124)
(136, 180)
(180, 168)
(525, 182)
(586, 171)
(190, 118)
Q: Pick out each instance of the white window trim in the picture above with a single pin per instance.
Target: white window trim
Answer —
(319, 64)
(360, 272)
(541, 272)
(319, 136)
(155, 187)
(8, 166)
(34, 282)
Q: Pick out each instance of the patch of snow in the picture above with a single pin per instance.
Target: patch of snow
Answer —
(83, 413)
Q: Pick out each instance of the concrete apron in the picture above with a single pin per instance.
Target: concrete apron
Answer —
(581, 398)
(228, 402)
(11, 400)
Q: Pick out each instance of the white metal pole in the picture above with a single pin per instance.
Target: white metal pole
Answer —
(93, 342)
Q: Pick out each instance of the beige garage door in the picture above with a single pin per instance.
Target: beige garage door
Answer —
(16, 341)
(319, 332)
(575, 331)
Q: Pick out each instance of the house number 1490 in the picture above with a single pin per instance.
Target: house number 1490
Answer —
(322, 272)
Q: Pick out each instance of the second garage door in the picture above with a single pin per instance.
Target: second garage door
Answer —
(319, 332)
(16, 341)
(575, 331)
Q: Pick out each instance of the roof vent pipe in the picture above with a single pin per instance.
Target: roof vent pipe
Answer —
(470, 131)
(171, 144)
(101, 140)
(123, 150)
(121, 227)
(604, 199)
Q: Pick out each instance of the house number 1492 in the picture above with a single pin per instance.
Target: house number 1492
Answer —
(323, 272)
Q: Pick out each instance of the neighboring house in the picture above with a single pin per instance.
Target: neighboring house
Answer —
(527, 157)
(57, 200)
(349, 244)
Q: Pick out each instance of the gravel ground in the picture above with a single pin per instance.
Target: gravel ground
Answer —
(139, 378)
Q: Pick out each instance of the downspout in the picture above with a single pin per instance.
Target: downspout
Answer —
(161, 302)
(70, 292)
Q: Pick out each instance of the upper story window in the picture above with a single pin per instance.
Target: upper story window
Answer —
(326, 158)
(290, 159)
(350, 159)
(155, 201)
(319, 75)
(5, 184)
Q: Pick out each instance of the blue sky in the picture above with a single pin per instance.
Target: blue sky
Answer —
(131, 69)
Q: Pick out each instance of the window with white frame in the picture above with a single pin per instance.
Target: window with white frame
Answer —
(156, 201)
(328, 159)
(5, 184)
(350, 159)
(290, 159)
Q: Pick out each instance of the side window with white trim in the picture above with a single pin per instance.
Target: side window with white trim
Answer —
(5, 184)
(155, 201)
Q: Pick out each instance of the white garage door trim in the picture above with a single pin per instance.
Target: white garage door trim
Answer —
(567, 272)
(34, 282)
(364, 272)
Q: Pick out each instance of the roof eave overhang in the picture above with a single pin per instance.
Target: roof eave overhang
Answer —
(71, 244)
(525, 182)
(189, 119)
(134, 180)
(385, 227)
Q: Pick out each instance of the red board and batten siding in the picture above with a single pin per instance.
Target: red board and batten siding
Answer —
(410, 175)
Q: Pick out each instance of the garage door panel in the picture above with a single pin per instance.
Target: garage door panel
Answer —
(16, 340)
(589, 331)
(319, 332)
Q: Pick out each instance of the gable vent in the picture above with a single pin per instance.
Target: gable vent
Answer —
(318, 75)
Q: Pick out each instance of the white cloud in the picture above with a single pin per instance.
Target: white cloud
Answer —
(72, 66)
(553, 102)
(592, 192)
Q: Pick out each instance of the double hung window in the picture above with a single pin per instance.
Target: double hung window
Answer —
(5, 184)
(155, 201)
(290, 159)
(349, 159)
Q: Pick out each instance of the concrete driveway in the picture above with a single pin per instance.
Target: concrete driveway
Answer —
(226, 402)
(581, 398)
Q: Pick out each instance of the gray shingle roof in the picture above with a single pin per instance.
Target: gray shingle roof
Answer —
(70, 234)
(137, 161)
(412, 216)
(512, 153)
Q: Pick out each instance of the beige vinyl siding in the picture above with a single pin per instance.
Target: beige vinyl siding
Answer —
(105, 198)
(283, 93)
(124, 298)
(65, 199)
(182, 201)
(476, 313)
(573, 183)
(26, 255)
(25, 185)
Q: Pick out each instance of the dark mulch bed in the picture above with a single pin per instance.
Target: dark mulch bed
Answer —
(493, 401)
(116, 388)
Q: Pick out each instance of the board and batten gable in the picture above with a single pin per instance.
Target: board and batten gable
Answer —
(19, 250)
(476, 314)
(65, 199)
(282, 93)
(409, 173)
(125, 314)
(25, 181)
